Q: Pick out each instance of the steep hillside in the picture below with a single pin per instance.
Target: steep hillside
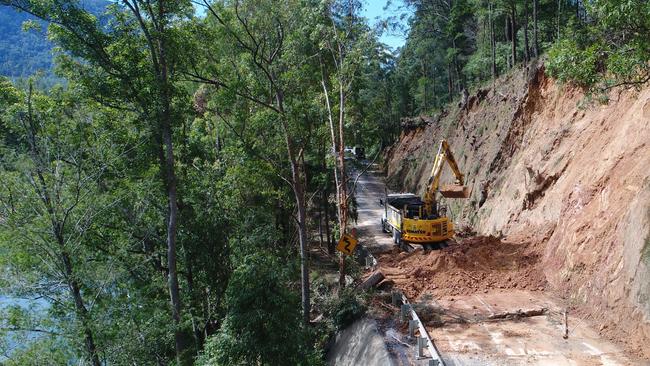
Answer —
(570, 177)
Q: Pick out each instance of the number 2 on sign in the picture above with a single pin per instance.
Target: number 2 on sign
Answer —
(347, 244)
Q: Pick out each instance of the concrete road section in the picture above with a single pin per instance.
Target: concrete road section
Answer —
(360, 344)
(470, 337)
(369, 190)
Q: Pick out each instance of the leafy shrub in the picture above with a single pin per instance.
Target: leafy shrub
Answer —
(567, 62)
(346, 308)
(609, 50)
(263, 323)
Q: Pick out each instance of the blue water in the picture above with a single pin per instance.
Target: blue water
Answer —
(6, 301)
(12, 340)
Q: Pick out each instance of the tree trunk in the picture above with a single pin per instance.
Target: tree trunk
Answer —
(80, 307)
(320, 225)
(424, 92)
(433, 93)
(172, 219)
(326, 207)
(535, 29)
(320, 205)
(450, 81)
(299, 194)
(526, 45)
(372, 281)
(457, 87)
(172, 222)
(493, 42)
(302, 235)
(513, 34)
(559, 18)
(58, 229)
(338, 148)
(508, 38)
(343, 200)
(194, 302)
(171, 183)
(460, 82)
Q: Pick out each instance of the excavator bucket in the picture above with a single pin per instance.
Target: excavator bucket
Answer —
(455, 191)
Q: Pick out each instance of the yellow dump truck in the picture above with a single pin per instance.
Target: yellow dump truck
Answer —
(419, 220)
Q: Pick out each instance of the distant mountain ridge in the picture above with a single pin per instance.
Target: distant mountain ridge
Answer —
(22, 54)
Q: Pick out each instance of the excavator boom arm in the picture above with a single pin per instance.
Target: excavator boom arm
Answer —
(455, 191)
(449, 156)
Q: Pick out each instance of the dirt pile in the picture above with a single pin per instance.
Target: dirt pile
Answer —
(572, 175)
(472, 265)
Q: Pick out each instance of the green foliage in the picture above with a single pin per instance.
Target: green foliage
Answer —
(263, 324)
(568, 63)
(610, 50)
(437, 51)
(347, 307)
(645, 251)
(233, 200)
(41, 351)
(457, 45)
(49, 201)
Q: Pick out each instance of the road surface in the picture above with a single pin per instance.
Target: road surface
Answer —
(530, 341)
(369, 190)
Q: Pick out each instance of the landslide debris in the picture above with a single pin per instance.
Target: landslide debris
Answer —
(470, 265)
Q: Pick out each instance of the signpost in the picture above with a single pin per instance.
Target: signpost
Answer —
(347, 244)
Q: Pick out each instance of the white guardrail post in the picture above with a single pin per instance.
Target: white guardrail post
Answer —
(436, 358)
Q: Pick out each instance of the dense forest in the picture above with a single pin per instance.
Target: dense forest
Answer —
(159, 205)
(457, 45)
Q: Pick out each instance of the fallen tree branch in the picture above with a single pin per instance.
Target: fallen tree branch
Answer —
(518, 314)
(372, 281)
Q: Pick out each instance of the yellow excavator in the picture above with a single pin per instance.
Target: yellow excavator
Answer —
(416, 220)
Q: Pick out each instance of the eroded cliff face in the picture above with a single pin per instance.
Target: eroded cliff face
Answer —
(569, 176)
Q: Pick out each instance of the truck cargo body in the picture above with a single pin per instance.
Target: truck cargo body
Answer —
(403, 217)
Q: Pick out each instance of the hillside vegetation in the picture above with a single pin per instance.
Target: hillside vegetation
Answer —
(457, 45)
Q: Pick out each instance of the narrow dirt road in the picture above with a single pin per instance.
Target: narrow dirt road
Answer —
(369, 341)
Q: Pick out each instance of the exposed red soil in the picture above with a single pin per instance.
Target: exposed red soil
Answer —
(572, 175)
(471, 265)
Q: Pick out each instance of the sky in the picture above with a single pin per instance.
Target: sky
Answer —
(374, 11)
